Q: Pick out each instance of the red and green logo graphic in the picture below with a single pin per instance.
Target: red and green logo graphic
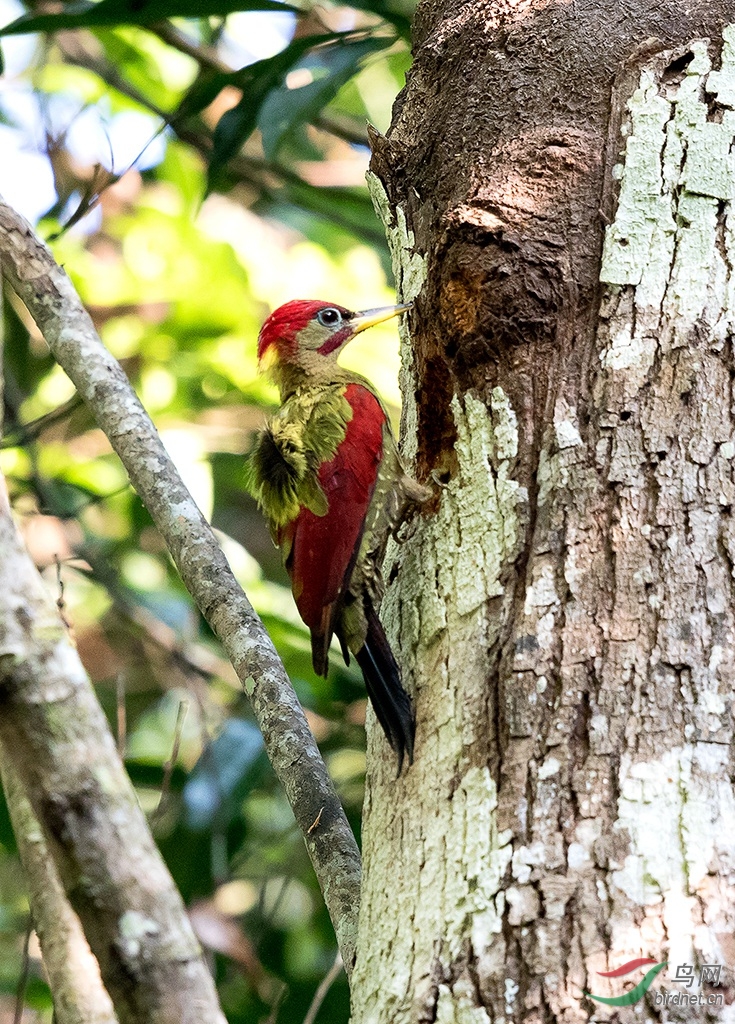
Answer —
(632, 996)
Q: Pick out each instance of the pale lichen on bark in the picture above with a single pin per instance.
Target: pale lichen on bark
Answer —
(678, 168)
(687, 794)
(409, 272)
(448, 878)
(55, 737)
(667, 325)
(595, 679)
(453, 1006)
(409, 266)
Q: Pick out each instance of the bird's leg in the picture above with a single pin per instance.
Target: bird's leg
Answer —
(415, 492)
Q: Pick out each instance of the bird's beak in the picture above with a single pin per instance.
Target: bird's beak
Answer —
(370, 317)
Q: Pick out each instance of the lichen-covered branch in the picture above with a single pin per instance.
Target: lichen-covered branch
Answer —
(55, 734)
(73, 972)
(70, 334)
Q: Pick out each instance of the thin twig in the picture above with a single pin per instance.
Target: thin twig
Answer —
(276, 1005)
(346, 129)
(74, 50)
(122, 717)
(168, 768)
(23, 433)
(20, 992)
(60, 602)
(326, 983)
(269, 915)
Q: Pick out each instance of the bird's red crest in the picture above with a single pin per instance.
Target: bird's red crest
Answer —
(284, 323)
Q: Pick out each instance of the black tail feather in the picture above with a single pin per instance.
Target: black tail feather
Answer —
(383, 683)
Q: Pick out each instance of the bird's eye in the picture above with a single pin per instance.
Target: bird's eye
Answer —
(329, 317)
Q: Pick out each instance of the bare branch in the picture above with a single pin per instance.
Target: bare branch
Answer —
(73, 972)
(84, 51)
(55, 735)
(70, 334)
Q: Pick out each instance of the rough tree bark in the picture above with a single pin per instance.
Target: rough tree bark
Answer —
(566, 612)
(62, 758)
(72, 969)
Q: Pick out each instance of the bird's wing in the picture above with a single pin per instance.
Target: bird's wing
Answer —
(282, 470)
(322, 548)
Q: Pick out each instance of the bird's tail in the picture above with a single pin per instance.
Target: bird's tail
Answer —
(383, 683)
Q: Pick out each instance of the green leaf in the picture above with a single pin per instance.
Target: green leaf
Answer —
(257, 81)
(24, 367)
(220, 779)
(330, 67)
(397, 13)
(348, 208)
(85, 14)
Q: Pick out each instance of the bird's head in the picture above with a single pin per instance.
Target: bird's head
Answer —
(308, 335)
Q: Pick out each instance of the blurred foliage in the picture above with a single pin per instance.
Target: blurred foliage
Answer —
(192, 174)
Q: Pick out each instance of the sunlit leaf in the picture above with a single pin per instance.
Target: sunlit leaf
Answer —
(137, 56)
(257, 82)
(328, 68)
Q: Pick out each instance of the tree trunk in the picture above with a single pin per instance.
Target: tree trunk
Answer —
(565, 610)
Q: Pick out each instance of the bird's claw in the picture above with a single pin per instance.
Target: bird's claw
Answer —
(435, 477)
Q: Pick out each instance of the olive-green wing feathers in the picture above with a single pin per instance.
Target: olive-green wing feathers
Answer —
(283, 465)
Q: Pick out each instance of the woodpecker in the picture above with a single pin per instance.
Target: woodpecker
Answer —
(327, 475)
